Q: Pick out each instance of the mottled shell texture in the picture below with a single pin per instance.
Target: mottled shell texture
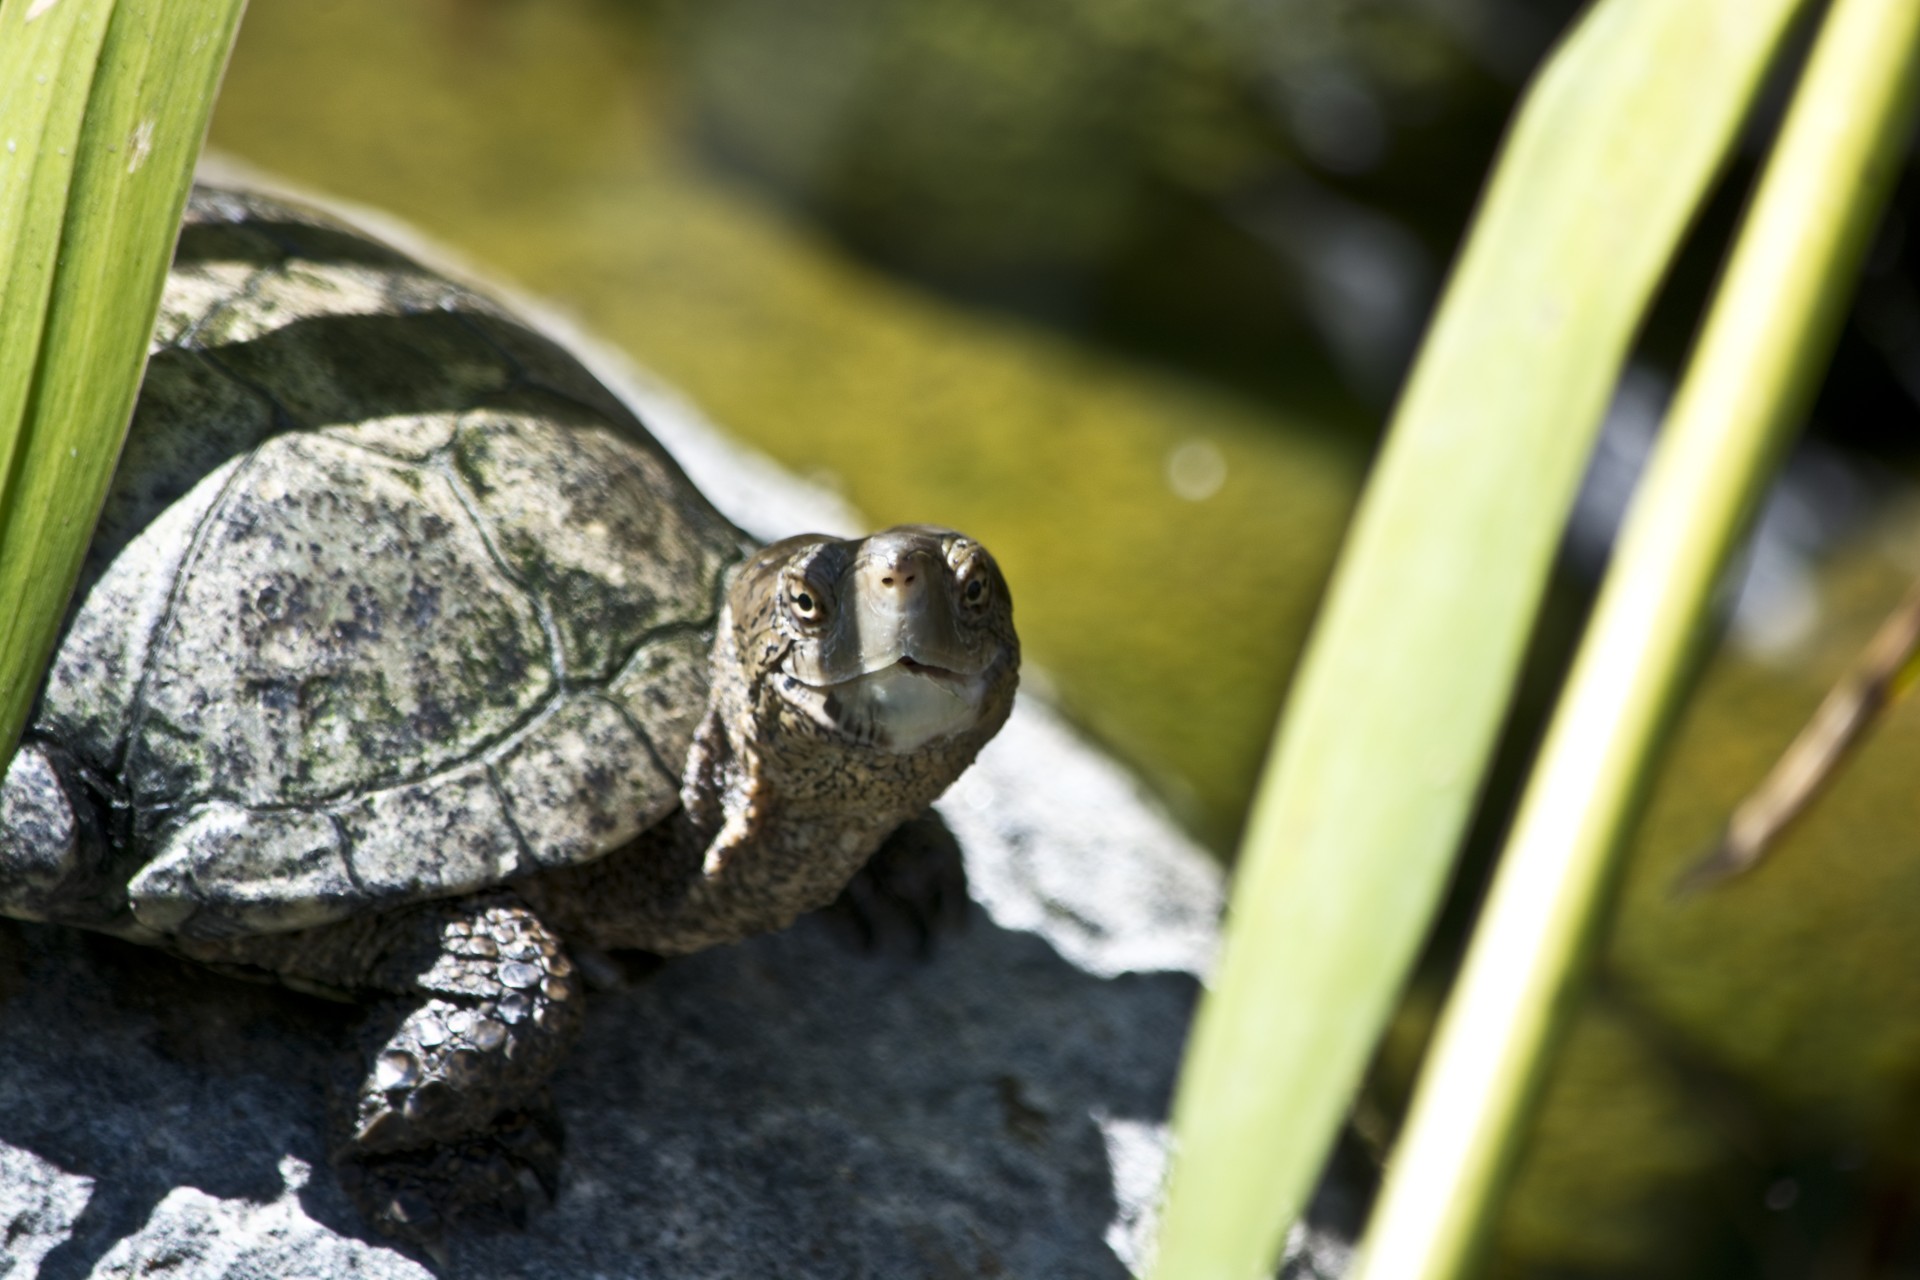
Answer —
(391, 599)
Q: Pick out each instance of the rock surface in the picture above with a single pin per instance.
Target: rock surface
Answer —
(791, 1106)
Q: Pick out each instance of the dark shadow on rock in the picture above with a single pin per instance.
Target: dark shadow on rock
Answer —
(803, 1111)
(785, 1104)
(142, 1074)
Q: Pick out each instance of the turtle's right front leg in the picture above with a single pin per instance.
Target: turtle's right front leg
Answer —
(443, 1117)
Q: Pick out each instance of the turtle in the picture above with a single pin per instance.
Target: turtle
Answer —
(406, 667)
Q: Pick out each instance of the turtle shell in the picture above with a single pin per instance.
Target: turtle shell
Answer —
(390, 599)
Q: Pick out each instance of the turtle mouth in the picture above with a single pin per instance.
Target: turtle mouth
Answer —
(903, 706)
(929, 670)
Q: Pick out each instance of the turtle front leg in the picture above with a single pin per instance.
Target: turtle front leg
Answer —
(443, 1117)
(447, 1119)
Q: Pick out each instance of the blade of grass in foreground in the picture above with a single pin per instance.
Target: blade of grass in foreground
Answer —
(1390, 724)
(103, 107)
(1767, 337)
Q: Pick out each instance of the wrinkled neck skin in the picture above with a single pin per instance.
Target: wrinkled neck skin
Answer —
(778, 813)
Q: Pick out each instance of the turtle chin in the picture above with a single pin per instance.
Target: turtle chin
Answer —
(903, 707)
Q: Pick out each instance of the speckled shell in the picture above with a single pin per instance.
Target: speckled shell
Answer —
(390, 600)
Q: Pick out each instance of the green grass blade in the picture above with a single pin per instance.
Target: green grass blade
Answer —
(103, 107)
(1383, 746)
(1767, 337)
(46, 73)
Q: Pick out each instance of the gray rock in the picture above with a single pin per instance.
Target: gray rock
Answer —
(790, 1106)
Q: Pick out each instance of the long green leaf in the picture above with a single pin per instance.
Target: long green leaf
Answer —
(1382, 749)
(1766, 339)
(46, 71)
(103, 107)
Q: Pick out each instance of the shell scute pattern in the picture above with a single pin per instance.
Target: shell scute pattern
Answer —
(88, 700)
(664, 687)
(194, 293)
(449, 833)
(193, 420)
(273, 300)
(405, 437)
(587, 523)
(586, 780)
(341, 624)
(227, 870)
(215, 260)
(327, 368)
(390, 600)
(543, 365)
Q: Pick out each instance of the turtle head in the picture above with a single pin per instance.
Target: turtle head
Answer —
(853, 681)
(893, 642)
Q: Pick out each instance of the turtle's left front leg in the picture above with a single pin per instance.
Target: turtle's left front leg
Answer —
(444, 1115)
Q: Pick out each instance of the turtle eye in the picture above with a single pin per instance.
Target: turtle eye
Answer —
(975, 592)
(805, 606)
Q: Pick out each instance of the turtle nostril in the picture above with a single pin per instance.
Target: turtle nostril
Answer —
(900, 576)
